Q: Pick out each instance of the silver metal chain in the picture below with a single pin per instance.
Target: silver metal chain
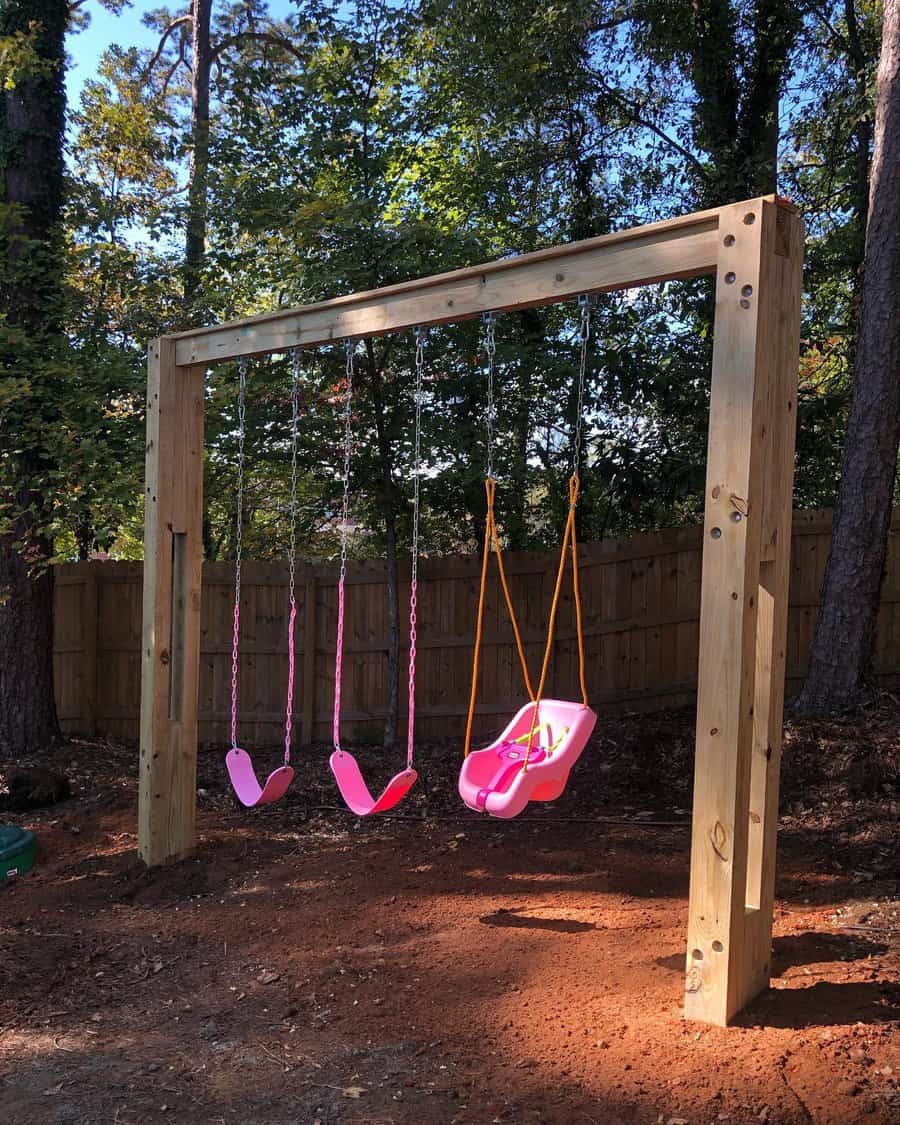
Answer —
(345, 503)
(239, 537)
(421, 337)
(490, 346)
(292, 553)
(584, 336)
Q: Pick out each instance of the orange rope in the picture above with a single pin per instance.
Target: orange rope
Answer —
(478, 626)
(576, 589)
(492, 539)
(568, 543)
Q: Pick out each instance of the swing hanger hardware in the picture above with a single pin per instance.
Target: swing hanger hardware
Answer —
(584, 327)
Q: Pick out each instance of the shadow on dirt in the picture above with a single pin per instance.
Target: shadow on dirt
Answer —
(513, 918)
(824, 1004)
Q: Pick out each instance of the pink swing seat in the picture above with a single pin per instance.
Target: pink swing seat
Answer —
(492, 780)
(247, 789)
(356, 793)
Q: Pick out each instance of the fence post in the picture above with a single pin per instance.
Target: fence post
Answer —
(309, 660)
(90, 618)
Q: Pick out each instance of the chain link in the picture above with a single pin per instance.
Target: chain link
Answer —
(584, 336)
(490, 346)
(239, 536)
(295, 424)
(345, 503)
(292, 553)
(421, 337)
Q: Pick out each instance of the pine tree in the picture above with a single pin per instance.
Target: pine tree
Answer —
(32, 110)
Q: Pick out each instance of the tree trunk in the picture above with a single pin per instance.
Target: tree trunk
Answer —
(31, 166)
(28, 721)
(840, 670)
(389, 512)
(198, 175)
(736, 114)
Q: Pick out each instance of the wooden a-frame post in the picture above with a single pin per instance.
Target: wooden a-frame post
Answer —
(170, 635)
(755, 249)
(743, 610)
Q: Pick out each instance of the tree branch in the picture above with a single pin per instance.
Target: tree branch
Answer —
(638, 118)
(170, 73)
(260, 36)
(157, 55)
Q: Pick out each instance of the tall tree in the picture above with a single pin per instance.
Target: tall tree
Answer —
(32, 112)
(195, 42)
(843, 647)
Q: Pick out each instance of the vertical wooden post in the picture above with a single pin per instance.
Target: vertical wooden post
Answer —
(310, 635)
(754, 363)
(90, 618)
(783, 298)
(170, 658)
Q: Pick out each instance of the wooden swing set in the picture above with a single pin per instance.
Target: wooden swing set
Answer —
(755, 249)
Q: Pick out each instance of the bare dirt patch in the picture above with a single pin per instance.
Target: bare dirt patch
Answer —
(307, 966)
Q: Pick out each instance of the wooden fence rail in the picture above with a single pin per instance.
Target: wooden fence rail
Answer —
(641, 612)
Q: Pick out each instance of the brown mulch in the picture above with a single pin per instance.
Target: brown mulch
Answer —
(306, 966)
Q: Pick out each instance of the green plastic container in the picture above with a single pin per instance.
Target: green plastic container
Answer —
(17, 848)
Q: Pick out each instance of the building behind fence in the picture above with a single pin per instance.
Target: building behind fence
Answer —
(641, 601)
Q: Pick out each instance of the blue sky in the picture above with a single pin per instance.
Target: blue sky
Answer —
(86, 48)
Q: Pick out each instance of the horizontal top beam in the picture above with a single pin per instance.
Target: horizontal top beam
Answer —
(686, 246)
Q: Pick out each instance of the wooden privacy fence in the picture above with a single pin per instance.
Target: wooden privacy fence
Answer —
(641, 613)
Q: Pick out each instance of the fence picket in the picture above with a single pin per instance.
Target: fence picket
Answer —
(641, 599)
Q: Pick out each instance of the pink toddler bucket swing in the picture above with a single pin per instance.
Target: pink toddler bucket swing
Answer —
(344, 766)
(531, 759)
(238, 762)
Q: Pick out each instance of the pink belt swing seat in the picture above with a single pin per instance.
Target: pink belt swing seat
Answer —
(237, 761)
(344, 766)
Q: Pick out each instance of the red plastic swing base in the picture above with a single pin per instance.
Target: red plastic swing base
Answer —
(247, 788)
(356, 793)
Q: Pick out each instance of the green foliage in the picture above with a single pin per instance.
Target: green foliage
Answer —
(19, 57)
(355, 145)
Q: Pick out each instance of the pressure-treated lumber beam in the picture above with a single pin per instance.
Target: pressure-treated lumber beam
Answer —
(783, 298)
(676, 248)
(170, 656)
(741, 644)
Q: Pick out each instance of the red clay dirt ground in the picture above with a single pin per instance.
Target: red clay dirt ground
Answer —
(307, 966)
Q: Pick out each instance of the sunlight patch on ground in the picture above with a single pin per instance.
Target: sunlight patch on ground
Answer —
(305, 885)
(25, 1045)
(551, 876)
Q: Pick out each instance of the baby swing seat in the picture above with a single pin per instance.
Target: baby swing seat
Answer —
(493, 781)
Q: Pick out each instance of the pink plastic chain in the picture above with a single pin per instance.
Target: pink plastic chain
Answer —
(338, 667)
(289, 707)
(410, 735)
(413, 590)
(236, 632)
